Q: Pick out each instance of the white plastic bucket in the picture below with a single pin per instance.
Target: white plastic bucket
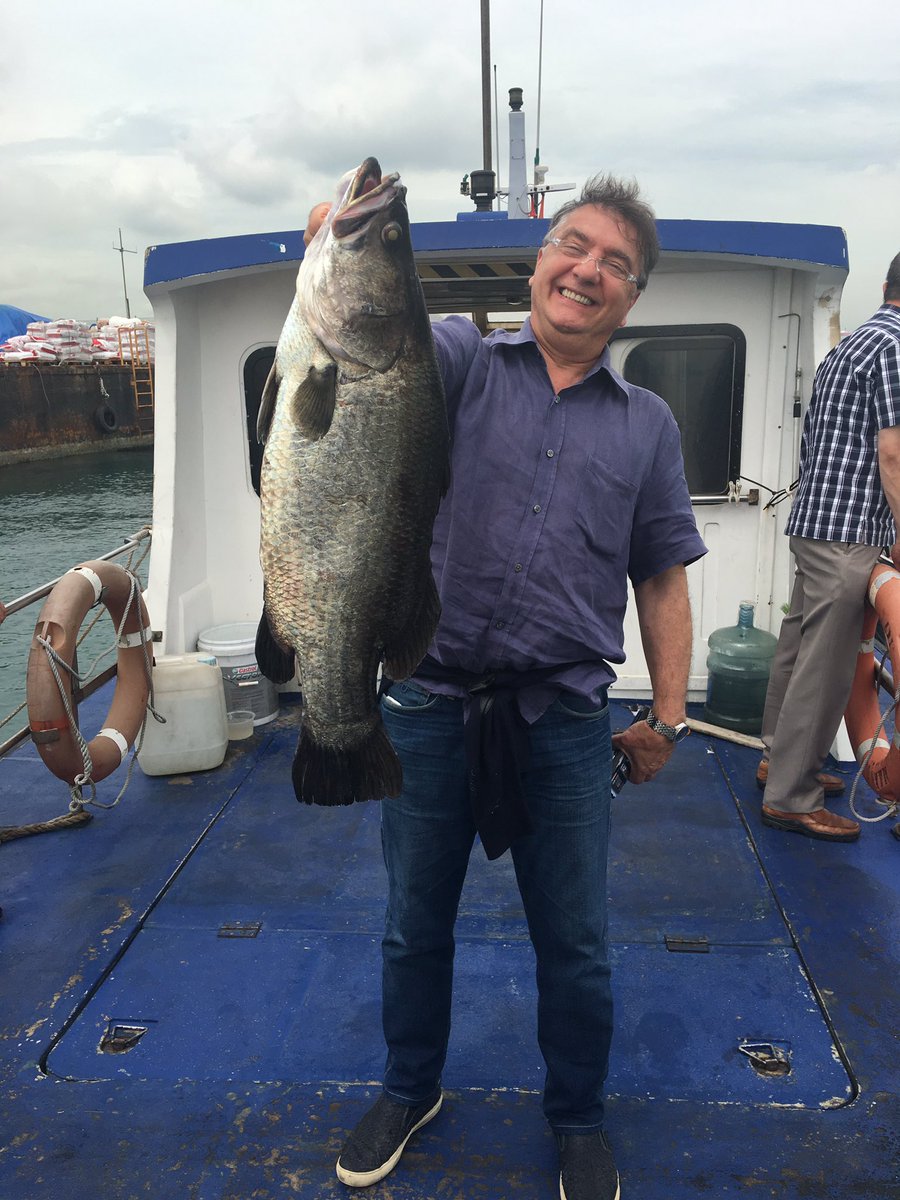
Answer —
(189, 693)
(234, 646)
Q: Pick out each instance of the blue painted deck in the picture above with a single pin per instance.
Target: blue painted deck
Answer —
(261, 1052)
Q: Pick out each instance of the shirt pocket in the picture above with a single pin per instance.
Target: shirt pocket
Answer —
(604, 512)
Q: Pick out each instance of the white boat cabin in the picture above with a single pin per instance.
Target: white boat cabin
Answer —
(729, 331)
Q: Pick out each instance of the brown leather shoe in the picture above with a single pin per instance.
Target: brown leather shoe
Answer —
(832, 785)
(817, 824)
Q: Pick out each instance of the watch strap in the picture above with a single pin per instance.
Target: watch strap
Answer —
(673, 733)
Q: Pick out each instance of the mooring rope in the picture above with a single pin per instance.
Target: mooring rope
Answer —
(67, 821)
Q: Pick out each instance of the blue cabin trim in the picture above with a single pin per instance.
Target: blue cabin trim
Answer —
(182, 260)
(824, 245)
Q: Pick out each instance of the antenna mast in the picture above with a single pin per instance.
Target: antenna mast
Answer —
(122, 252)
(497, 132)
(537, 135)
(488, 163)
(481, 185)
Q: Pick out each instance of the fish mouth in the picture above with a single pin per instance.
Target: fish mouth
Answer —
(367, 194)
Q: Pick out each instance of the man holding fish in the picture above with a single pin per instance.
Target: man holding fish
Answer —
(565, 482)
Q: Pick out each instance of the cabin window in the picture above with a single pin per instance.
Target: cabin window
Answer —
(256, 372)
(699, 371)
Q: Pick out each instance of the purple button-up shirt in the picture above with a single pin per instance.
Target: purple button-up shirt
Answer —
(554, 501)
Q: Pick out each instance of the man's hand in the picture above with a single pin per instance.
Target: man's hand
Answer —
(649, 751)
(316, 216)
(664, 615)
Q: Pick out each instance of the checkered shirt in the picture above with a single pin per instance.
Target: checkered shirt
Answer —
(856, 393)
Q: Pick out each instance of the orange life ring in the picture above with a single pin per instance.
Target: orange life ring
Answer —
(60, 618)
(863, 714)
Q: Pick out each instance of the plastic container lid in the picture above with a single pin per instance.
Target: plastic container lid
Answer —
(222, 640)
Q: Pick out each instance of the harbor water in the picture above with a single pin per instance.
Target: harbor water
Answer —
(53, 515)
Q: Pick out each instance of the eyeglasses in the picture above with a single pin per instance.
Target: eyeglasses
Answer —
(609, 266)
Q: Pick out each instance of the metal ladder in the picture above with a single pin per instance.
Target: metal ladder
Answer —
(134, 347)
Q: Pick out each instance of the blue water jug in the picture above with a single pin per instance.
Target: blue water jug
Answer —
(739, 664)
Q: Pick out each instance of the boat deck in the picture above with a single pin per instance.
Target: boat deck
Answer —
(191, 995)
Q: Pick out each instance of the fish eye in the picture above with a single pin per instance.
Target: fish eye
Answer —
(391, 232)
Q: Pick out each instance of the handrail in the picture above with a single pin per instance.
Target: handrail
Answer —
(130, 543)
(885, 678)
(751, 497)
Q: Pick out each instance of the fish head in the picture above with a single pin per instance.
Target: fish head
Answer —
(357, 285)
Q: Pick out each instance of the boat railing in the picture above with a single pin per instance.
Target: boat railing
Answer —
(137, 547)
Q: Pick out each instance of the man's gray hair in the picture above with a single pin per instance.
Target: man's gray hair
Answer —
(892, 291)
(621, 197)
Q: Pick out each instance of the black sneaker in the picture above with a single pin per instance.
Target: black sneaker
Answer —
(587, 1170)
(374, 1147)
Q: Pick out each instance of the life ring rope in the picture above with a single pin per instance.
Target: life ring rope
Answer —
(51, 712)
(85, 778)
(866, 749)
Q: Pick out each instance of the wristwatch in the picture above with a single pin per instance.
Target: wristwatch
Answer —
(674, 733)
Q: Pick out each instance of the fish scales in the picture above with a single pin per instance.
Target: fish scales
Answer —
(355, 463)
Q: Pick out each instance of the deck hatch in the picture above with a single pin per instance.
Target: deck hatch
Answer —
(303, 1002)
(270, 1006)
(683, 945)
(121, 1036)
(240, 929)
(768, 1058)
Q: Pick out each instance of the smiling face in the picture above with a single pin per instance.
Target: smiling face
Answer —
(574, 307)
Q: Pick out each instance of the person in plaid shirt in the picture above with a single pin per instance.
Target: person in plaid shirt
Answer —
(845, 513)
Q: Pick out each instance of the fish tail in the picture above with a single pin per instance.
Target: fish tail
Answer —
(327, 776)
(273, 660)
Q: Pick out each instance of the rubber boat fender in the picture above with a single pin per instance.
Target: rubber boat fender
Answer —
(105, 416)
(54, 734)
(863, 715)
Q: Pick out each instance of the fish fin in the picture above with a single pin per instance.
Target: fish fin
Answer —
(314, 400)
(267, 405)
(402, 656)
(326, 776)
(275, 662)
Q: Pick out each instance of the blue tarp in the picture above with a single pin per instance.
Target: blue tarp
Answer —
(15, 320)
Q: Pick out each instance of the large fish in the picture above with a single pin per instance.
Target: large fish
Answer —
(355, 463)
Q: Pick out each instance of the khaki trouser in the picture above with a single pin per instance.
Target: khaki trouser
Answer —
(812, 671)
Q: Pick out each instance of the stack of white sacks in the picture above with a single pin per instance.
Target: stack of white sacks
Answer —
(67, 341)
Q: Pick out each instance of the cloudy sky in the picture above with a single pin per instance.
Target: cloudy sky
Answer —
(177, 121)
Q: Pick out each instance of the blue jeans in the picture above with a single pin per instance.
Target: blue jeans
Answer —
(427, 836)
